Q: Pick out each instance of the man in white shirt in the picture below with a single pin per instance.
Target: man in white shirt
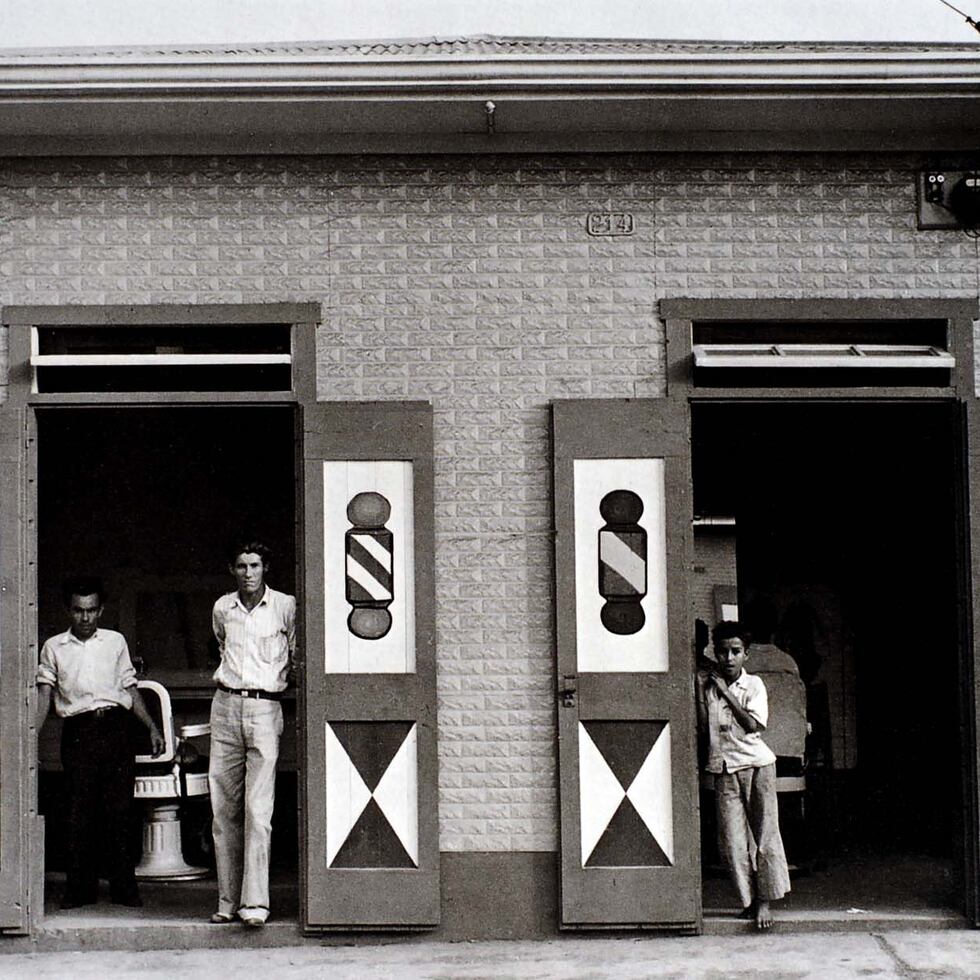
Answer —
(88, 674)
(733, 709)
(255, 627)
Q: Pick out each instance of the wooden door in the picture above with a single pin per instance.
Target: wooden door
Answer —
(626, 719)
(368, 694)
(20, 874)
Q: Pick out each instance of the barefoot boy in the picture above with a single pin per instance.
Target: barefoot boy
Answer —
(733, 709)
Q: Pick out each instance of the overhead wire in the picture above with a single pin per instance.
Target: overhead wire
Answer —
(966, 17)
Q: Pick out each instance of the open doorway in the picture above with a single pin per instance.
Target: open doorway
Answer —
(842, 519)
(150, 499)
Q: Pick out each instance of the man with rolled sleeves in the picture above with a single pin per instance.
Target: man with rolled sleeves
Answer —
(88, 674)
(255, 627)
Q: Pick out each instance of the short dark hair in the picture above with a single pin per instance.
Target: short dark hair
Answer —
(83, 585)
(246, 547)
(729, 629)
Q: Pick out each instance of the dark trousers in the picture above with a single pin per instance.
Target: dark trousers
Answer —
(100, 770)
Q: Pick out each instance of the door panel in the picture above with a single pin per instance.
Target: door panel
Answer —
(18, 659)
(969, 509)
(370, 782)
(626, 725)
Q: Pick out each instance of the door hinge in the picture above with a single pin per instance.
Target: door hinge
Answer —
(568, 690)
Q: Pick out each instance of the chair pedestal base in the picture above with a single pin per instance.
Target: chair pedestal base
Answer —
(162, 858)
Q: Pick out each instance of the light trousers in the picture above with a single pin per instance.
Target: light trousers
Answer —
(748, 833)
(242, 778)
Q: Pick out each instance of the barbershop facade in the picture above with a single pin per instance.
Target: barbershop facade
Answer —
(626, 335)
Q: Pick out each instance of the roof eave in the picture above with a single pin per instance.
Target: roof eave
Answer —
(927, 100)
(43, 75)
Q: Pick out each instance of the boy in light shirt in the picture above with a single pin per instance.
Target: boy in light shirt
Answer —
(733, 710)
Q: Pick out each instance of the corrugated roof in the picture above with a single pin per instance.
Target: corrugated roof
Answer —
(479, 45)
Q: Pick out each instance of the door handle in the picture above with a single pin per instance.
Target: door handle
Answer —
(568, 690)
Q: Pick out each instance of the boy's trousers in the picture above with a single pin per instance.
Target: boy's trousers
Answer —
(242, 779)
(748, 833)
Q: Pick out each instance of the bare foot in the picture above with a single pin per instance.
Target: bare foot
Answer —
(763, 917)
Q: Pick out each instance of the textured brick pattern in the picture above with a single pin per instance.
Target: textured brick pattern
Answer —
(473, 283)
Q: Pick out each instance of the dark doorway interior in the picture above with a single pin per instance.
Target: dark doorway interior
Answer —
(845, 522)
(151, 499)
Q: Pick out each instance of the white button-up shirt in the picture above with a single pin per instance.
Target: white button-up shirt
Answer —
(730, 746)
(256, 646)
(87, 674)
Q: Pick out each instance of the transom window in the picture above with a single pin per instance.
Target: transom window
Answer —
(129, 358)
(861, 356)
(822, 353)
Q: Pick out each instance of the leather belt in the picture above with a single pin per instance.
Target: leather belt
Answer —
(252, 693)
(94, 714)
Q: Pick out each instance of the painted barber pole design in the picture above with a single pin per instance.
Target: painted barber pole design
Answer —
(369, 546)
(370, 785)
(626, 741)
(369, 567)
(620, 565)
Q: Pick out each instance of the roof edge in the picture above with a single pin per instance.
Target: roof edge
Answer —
(475, 94)
(443, 44)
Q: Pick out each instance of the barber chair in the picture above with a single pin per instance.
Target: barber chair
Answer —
(163, 783)
(786, 735)
(787, 729)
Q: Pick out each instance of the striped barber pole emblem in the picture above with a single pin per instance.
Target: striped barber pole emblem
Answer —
(369, 564)
(370, 579)
(622, 562)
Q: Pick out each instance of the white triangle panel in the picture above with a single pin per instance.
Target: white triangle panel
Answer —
(347, 794)
(397, 794)
(600, 792)
(651, 794)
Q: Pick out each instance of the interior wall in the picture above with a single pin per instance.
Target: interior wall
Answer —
(151, 500)
(846, 522)
(714, 571)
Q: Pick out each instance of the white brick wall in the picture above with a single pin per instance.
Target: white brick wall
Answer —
(472, 282)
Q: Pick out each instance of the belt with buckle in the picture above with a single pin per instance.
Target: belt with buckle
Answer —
(252, 693)
(94, 714)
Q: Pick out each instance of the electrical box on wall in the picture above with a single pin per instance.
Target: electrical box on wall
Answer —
(948, 199)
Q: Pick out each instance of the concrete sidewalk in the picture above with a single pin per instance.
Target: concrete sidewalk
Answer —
(822, 956)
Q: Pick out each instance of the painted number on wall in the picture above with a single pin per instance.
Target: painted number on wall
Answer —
(610, 223)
